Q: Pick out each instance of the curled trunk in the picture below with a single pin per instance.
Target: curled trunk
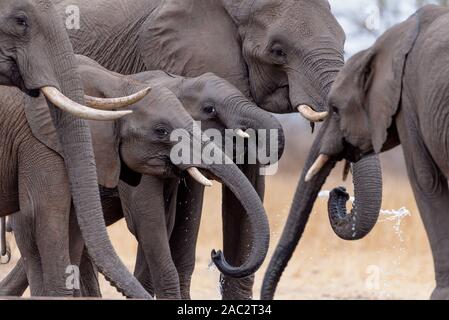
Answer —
(304, 199)
(368, 200)
(234, 179)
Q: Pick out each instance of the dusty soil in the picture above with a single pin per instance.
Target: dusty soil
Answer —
(392, 263)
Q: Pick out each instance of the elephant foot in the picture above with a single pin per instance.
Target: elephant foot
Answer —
(237, 289)
(440, 293)
(185, 283)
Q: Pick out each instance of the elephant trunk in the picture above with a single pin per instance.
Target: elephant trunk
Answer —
(5, 254)
(303, 201)
(15, 283)
(222, 167)
(266, 121)
(74, 135)
(367, 186)
(245, 115)
(367, 179)
(234, 179)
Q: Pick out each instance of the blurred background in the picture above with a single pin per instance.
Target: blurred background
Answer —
(394, 262)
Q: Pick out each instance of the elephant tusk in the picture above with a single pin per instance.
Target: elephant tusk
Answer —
(346, 170)
(115, 103)
(199, 177)
(311, 115)
(242, 134)
(317, 166)
(62, 102)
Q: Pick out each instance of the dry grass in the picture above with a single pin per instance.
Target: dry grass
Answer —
(323, 266)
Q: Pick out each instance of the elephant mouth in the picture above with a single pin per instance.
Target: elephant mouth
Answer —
(161, 167)
(278, 96)
(17, 80)
(354, 154)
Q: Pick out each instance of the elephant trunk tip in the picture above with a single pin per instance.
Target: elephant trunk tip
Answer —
(226, 269)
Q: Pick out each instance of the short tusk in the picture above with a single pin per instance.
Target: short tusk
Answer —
(67, 105)
(199, 177)
(317, 166)
(115, 103)
(346, 170)
(242, 134)
(311, 115)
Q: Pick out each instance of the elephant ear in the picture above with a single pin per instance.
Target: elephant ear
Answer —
(192, 37)
(381, 71)
(106, 138)
(41, 123)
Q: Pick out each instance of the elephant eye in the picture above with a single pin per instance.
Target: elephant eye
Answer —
(278, 52)
(162, 132)
(209, 110)
(335, 110)
(22, 21)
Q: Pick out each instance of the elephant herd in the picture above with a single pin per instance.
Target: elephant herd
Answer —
(88, 116)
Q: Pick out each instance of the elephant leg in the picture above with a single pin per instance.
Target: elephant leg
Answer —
(236, 239)
(90, 286)
(44, 194)
(23, 226)
(142, 271)
(431, 191)
(144, 209)
(16, 282)
(184, 237)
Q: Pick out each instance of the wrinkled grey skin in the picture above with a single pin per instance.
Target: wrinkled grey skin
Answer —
(133, 147)
(218, 105)
(281, 53)
(396, 93)
(35, 52)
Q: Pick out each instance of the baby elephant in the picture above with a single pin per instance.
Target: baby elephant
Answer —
(139, 147)
(219, 105)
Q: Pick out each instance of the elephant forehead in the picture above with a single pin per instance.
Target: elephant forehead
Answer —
(300, 18)
(160, 103)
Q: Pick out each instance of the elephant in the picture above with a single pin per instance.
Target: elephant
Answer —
(126, 150)
(36, 56)
(282, 54)
(394, 93)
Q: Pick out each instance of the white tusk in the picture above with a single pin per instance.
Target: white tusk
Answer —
(242, 134)
(199, 177)
(67, 105)
(311, 115)
(115, 103)
(317, 166)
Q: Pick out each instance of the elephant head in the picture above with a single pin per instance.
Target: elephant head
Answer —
(36, 56)
(144, 143)
(293, 50)
(218, 104)
(289, 50)
(364, 101)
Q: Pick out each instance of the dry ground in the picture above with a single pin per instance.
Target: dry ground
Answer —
(392, 263)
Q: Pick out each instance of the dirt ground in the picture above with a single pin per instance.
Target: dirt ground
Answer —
(394, 262)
